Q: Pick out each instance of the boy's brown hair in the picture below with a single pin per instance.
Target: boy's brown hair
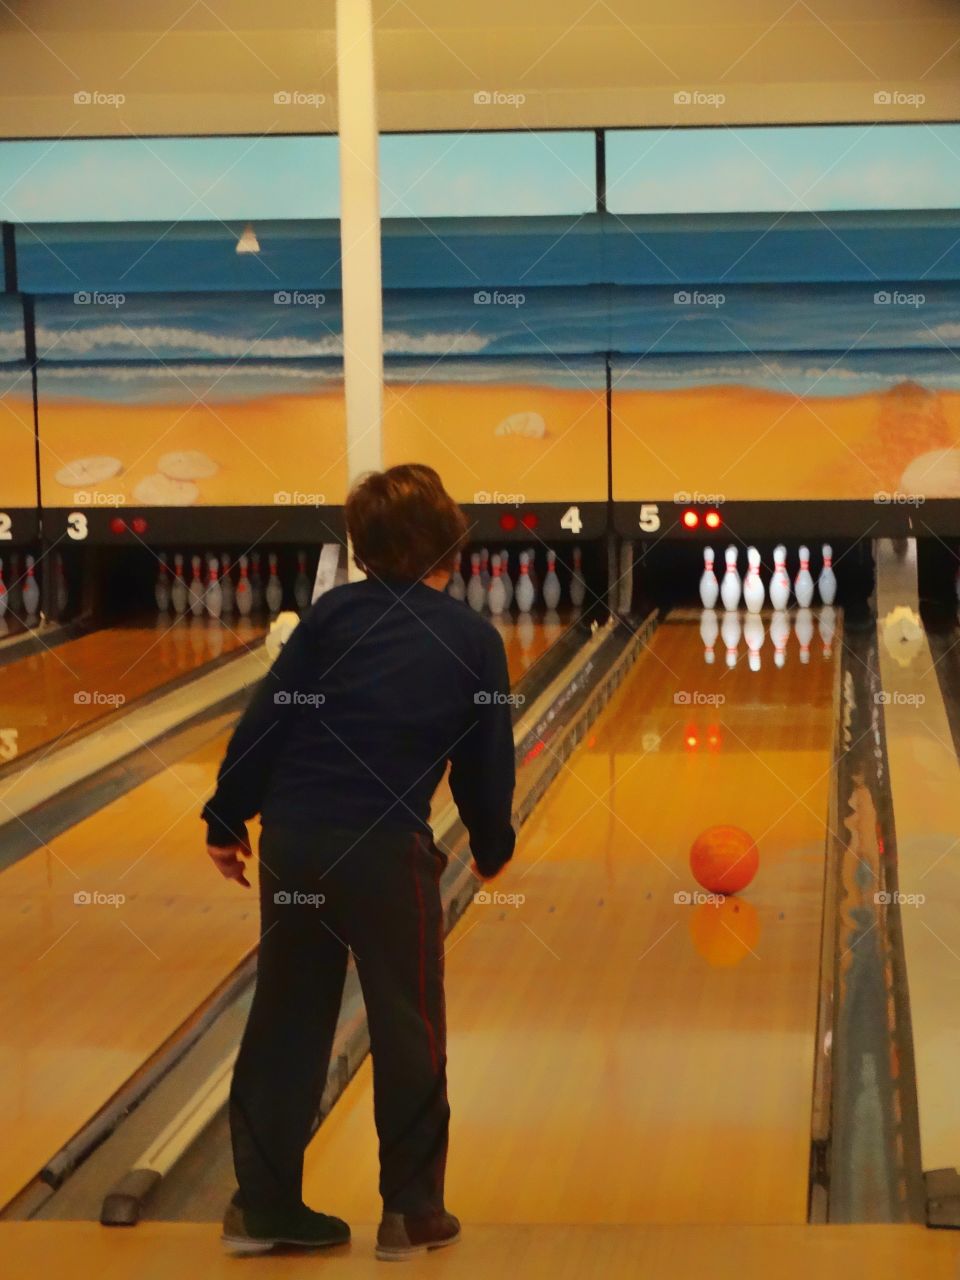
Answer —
(403, 523)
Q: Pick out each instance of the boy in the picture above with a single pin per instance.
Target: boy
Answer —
(340, 750)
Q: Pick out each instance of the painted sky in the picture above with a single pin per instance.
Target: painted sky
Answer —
(434, 175)
(760, 170)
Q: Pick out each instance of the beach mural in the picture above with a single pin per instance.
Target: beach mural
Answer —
(226, 399)
(285, 324)
(18, 468)
(506, 431)
(179, 400)
(188, 434)
(495, 371)
(787, 425)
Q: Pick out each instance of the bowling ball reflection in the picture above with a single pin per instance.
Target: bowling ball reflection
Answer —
(724, 859)
(725, 931)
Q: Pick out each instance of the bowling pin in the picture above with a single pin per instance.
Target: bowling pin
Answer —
(496, 596)
(227, 592)
(709, 587)
(456, 587)
(551, 583)
(31, 591)
(804, 629)
(485, 568)
(827, 582)
(709, 630)
(578, 588)
(302, 586)
(195, 590)
(827, 621)
(214, 593)
(161, 588)
(753, 633)
(256, 582)
(505, 575)
(753, 592)
(730, 631)
(244, 593)
(274, 592)
(780, 634)
(803, 584)
(476, 595)
(780, 582)
(178, 590)
(3, 592)
(532, 570)
(524, 594)
(730, 586)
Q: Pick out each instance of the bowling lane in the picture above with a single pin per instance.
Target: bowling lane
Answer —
(91, 989)
(68, 687)
(527, 637)
(616, 1054)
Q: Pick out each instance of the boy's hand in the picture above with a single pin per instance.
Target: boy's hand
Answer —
(227, 861)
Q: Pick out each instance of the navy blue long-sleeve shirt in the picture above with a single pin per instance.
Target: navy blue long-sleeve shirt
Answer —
(379, 685)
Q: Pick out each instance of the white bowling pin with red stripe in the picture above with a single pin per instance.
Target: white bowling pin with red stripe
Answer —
(476, 595)
(524, 594)
(496, 595)
(780, 582)
(803, 584)
(709, 586)
(827, 582)
(730, 586)
(753, 592)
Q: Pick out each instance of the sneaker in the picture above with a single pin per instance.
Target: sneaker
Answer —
(252, 1231)
(403, 1235)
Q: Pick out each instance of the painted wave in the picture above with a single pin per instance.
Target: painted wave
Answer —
(807, 375)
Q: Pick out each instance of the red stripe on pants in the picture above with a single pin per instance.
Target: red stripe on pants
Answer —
(422, 956)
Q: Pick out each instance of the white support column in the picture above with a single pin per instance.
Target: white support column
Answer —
(360, 239)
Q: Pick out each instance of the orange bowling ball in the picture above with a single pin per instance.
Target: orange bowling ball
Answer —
(724, 859)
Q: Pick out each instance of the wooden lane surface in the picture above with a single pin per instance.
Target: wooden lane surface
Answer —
(91, 990)
(616, 1056)
(189, 1251)
(68, 687)
(527, 639)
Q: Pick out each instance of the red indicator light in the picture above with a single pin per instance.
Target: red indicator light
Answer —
(712, 520)
(118, 525)
(691, 738)
(508, 521)
(138, 524)
(690, 519)
(530, 520)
